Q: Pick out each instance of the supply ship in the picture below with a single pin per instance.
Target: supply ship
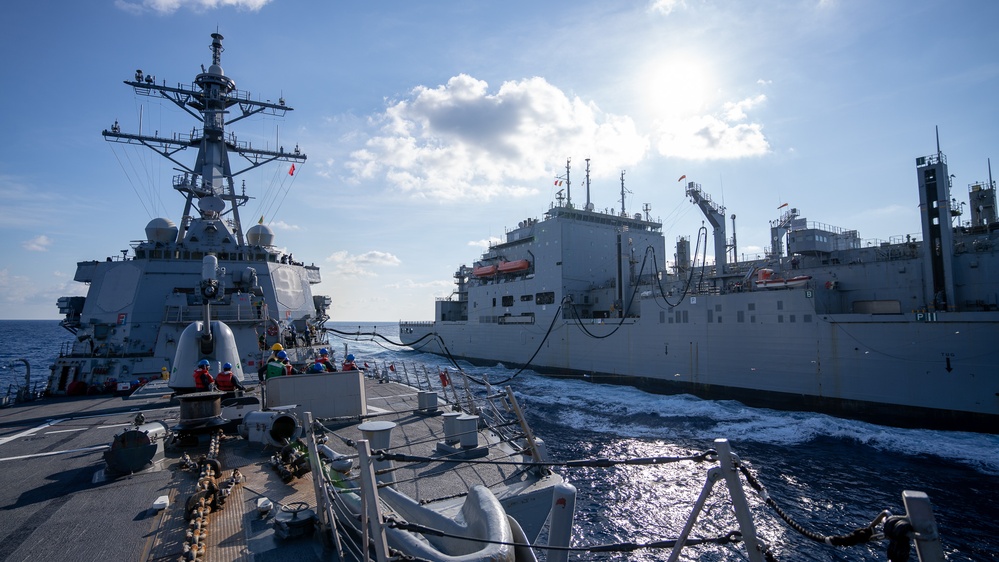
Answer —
(900, 332)
(128, 326)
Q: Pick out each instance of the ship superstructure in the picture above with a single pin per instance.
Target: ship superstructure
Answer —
(899, 331)
(128, 325)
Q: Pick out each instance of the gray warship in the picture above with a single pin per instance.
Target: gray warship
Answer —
(128, 326)
(899, 332)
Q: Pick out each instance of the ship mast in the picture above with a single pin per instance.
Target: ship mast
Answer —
(210, 180)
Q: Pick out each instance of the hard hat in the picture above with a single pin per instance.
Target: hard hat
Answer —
(277, 347)
(203, 363)
(324, 351)
(282, 355)
(350, 357)
(227, 366)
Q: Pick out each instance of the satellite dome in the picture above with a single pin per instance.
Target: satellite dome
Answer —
(260, 235)
(161, 230)
(216, 69)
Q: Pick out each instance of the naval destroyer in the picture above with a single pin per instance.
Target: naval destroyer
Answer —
(900, 332)
(129, 324)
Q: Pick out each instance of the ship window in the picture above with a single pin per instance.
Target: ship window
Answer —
(677, 316)
(792, 319)
(494, 301)
(662, 316)
(780, 318)
(717, 308)
(685, 319)
(711, 315)
(526, 298)
(780, 305)
(808, 318)
(752, 319)
(507, 300)
(545, 298)
(751, 306)
(740, 316)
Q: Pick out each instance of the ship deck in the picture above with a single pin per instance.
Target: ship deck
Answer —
(58, 502)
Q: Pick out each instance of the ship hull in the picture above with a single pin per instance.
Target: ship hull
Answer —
(916, 370)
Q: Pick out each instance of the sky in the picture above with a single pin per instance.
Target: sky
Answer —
(432, 128)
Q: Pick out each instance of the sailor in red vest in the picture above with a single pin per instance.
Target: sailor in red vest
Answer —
(203, 380)
(226, 381)
(324, 358)
(348, 363)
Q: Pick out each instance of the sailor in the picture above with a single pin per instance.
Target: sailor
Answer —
(288, 369)
(348, 363)
(276, 366)
(262, 370)
(164, 373)
(317, 367)
(203, 380)
(324, 359)
(226, 381)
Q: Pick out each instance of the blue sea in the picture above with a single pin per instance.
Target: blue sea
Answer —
(831, 475)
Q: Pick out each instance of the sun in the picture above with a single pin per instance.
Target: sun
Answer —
(676, 86)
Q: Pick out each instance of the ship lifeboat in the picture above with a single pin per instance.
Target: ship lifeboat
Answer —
(484, 271)
(765, 279)
(514, 266)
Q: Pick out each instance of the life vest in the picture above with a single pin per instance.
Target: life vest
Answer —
(202, 379)
(349, 366)
(275, 369)
(224, 381)
(328, 365)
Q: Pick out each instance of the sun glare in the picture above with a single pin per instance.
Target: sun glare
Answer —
(676, 86)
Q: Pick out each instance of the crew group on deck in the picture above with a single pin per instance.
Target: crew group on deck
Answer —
(278, 365)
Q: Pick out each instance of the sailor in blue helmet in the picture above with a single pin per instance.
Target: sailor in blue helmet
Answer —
(203, 380)
(348, 363)
(278, 366)
(226, 381)
(324, 359)
(317, 366)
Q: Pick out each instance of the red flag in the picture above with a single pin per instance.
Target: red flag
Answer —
(558, 182)
(291, 172)
(683, 177)
(782, 206)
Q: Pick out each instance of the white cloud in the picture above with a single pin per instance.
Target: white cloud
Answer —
(485, 242)
(281, 225)
(666, 7)
(165, 7)
(348, 265)
(458, 141)
(710, 137)
(39, 243)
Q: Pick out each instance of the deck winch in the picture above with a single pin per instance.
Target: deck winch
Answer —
(137, 448)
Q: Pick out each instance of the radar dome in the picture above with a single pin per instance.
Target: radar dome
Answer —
(161, 230)
(260, 235)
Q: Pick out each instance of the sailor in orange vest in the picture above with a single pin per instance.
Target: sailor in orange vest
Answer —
(203, 380)
(324, 358)
(226, 381)
(348, 363)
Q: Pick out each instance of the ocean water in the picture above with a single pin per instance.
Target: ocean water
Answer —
(831, 475)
